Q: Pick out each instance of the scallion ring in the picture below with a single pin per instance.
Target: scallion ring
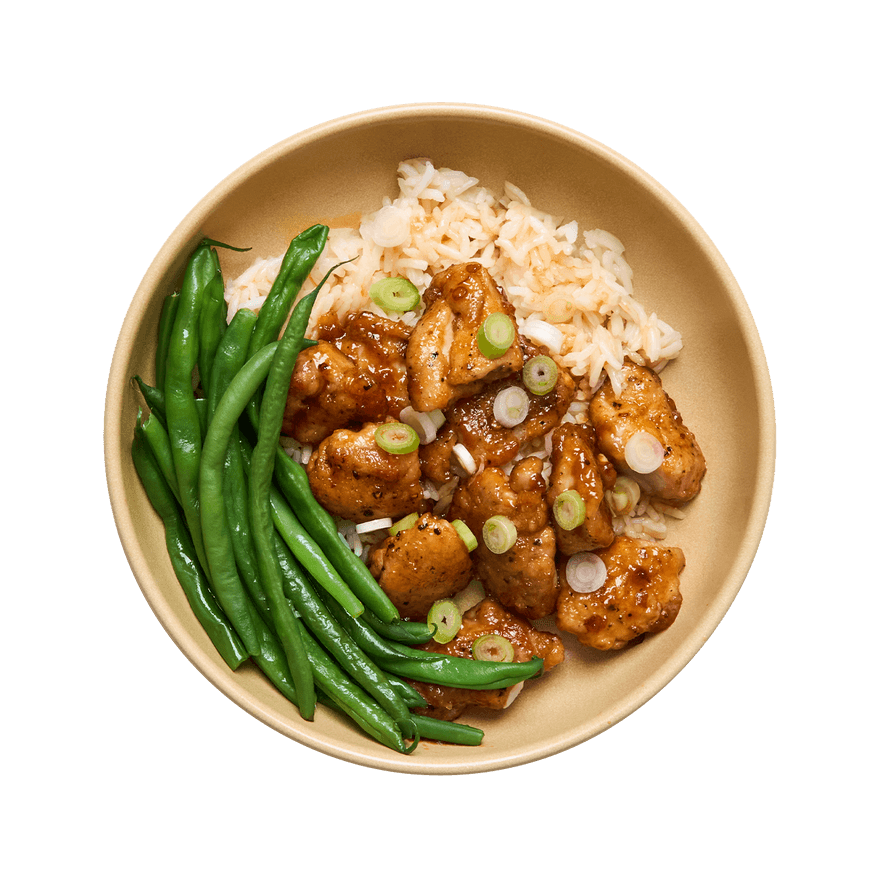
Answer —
(421, 423)
(373, 525)
(511, 406)
(499, 534)
(643, 452)
(466, 535)
(397, 438)
(569, 509)
(624, 497)
(464, 458)
(395, 294)
(496, 335)
(446, 618)
(403, 524)
(493, 646)
(585, 572)
(540, 374)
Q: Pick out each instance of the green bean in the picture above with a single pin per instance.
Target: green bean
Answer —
(351, 698)
(448, 731)
(410, 696)
(235, 495)
(218, 545)
(153, 397)
(166, 325)
(231, 355)
(407, 632)
(157, 439)
(212, 324)
(298, 262)
(338, 644)
(183, 558)
(293, 481)
(259, 481)
(181, 413)
(461, 672)
(366, 638)
(435, 668)
(309, 555)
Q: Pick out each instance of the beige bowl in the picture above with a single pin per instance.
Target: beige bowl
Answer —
(720, 384)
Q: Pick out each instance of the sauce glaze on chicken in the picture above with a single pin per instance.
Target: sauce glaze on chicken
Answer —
(366, 369)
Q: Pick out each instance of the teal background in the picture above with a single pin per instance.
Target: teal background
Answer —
(120, 760)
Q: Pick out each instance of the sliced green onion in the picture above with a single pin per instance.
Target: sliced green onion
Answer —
(643, 452)
(544, 334)
(445, 616)
(585, 572)
(437, 417)
(493, 647)
(421, 423)
(397, 438)
(496, 335)
(464, 458)
(511, 406)
(540, 374)
(499, 534)
(569, 510)
(471, 595)
(373, 525)
(624, 497)
(466, 535)
(395, 294)
(403, 524)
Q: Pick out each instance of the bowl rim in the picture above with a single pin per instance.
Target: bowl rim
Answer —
(118, 383)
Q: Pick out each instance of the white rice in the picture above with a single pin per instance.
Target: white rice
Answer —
(550, 270)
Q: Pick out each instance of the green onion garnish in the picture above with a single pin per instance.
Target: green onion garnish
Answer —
(499, 534)
(493, 647)
(624, 497)
(539, 374)
(466, 535)
(445, 616)
(496, 335)
(403, 524)
(569, 510)
(395, 294)
(397, 438)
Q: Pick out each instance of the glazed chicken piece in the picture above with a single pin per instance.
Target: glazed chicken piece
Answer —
(524, 578)
(421, 564)
(377, 346)
(443, 356)
(356, 373)
(488, 617)
(640, 595)
(471, 422)
(643, 405)
(576, 465)
(353, 477)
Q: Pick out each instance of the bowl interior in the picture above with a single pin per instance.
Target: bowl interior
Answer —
(719, 383)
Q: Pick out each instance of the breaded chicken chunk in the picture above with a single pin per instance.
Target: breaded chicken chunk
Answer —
(643, 405)
(353, 477)
(355, 373)
(640, 595)
(421, 564)
(524, 577)
(443, 356)
(576, 466)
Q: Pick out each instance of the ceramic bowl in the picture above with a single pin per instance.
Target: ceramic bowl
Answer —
(720, 383)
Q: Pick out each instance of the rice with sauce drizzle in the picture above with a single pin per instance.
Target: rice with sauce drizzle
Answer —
(578, 281)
